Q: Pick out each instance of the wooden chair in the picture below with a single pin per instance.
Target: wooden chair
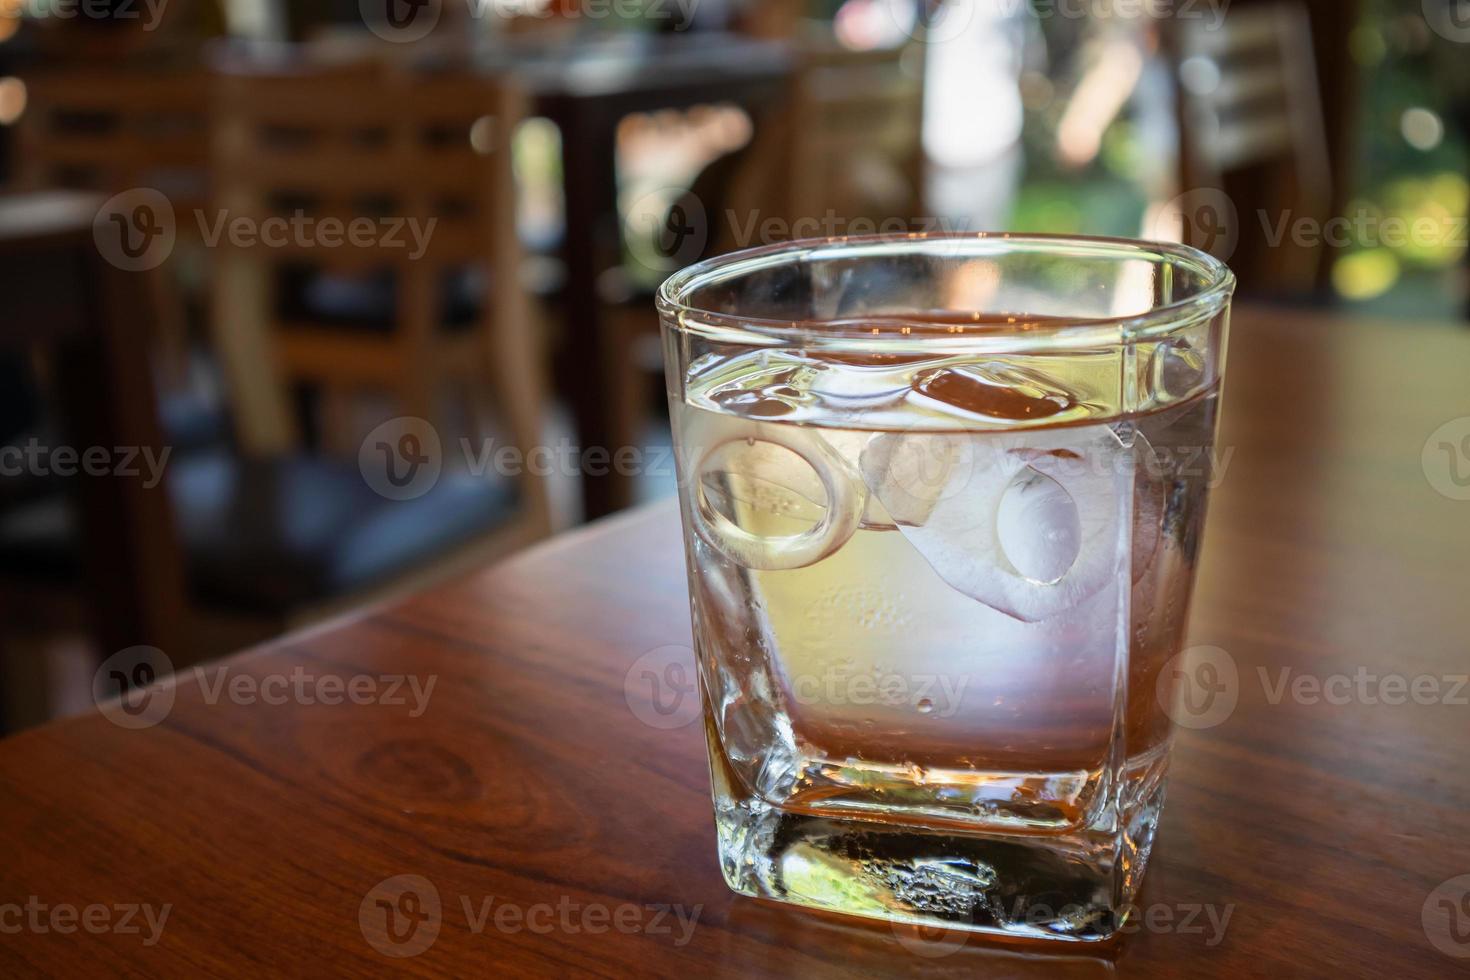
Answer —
(115, 128)
(856, 120)
(396, 314)
(225, 549)
(1252, 127)
(776, 20)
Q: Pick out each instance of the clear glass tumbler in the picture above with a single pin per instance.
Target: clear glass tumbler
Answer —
(942, 500)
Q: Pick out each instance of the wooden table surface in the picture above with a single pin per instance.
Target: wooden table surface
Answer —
(565, 827)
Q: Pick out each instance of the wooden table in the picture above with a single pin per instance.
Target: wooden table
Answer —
(1323, 828)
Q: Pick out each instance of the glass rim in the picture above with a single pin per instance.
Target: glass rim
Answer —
(856, 333)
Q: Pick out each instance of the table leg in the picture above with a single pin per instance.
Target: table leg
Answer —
(589, 172)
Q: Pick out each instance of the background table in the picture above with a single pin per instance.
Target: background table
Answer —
(1323, 828)
(587, 89)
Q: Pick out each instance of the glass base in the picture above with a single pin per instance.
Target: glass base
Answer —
(1076, 886)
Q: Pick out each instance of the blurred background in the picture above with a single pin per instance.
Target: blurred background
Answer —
(308, 305)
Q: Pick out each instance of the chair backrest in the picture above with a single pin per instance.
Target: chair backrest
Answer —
(1251, 122)
(422, 163)
(777, 20)
(856, 137)
(115, 128)
(110, 129)
(366, 142)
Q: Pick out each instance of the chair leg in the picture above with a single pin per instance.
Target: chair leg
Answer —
(337, 419)
(625, 380)
(241, 325)
(417, 320)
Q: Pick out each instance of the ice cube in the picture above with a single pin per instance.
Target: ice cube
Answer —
(1038, 526)
(909, 473)
(1026, 522)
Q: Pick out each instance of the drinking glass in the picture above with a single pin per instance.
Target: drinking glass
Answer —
(942, 499)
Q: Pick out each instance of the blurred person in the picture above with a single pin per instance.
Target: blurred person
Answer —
(973, 110)
(1122, 69)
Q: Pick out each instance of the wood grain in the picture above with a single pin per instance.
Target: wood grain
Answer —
(1323, 828)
